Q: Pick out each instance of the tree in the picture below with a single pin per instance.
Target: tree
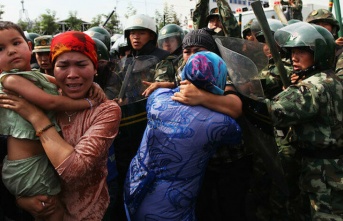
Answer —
(113, 23)
(46, 24)
(97, 20)
(169, 16)
(24, 25)
(74, 23)
(130, 11)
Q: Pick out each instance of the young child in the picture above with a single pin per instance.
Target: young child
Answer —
(26, 169)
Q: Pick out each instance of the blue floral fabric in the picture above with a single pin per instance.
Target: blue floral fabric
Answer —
(164, 177)
(206, 70)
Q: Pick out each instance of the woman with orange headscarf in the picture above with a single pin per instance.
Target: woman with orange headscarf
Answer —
(80, 157)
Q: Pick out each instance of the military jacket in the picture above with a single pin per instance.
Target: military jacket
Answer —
(230, 24)
(314, 108)
(296, 10)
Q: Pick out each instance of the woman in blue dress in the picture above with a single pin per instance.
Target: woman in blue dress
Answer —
(165, 176)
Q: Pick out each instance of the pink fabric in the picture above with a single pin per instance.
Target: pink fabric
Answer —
(83, 174)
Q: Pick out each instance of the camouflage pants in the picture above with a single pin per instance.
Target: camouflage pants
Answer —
(322, 180)
(298, 206)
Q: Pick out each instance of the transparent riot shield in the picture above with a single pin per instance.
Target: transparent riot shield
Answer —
(134, 119)
(136, 70)
(245, 60)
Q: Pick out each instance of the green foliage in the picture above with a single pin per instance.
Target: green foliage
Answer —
(46, 24)
(130, 11)
(112, 25)
(169, 16)
(73, 22)
(23, 25)
(97, 20)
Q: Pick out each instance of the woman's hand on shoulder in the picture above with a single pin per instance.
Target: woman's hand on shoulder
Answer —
(96, 94)
(189, 94)
(151, 87)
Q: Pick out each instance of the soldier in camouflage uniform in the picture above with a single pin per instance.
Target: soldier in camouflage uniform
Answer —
(42, 51)
(313, 108)
(295, 7)
(265, 200)
(326, 19)
(229, 22)
(141, 34)
(170, 38)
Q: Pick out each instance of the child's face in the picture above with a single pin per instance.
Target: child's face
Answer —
(302, 59)
(15, 52)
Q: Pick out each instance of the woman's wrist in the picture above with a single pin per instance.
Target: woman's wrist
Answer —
(89, 102)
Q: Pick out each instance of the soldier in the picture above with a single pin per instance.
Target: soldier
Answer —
(219, 17)
(142, 40)
(42, 51)
(295, 7)
(265, 200)
(141, 35)
(313, 108)
(170, 39)
(326, 19)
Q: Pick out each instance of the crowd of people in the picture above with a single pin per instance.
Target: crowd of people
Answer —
(174, 124)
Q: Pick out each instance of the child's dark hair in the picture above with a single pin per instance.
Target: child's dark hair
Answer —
(6, 25)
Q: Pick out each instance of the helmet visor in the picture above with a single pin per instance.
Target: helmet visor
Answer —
(300, 34)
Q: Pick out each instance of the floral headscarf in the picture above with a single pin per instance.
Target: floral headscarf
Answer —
(73, 41)
(206, 70)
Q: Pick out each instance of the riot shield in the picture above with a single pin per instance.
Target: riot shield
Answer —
(245, 60)
(134, 119)
(136, 70)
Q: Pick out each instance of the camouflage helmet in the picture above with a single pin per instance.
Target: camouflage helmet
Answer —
(101, 50)
(42, 43)
(256, 29)
(317, 38)
(170, 30)
(139, 22)
(322, 15)
(100, 33)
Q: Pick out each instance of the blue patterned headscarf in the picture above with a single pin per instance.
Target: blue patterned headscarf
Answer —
(207, 71)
